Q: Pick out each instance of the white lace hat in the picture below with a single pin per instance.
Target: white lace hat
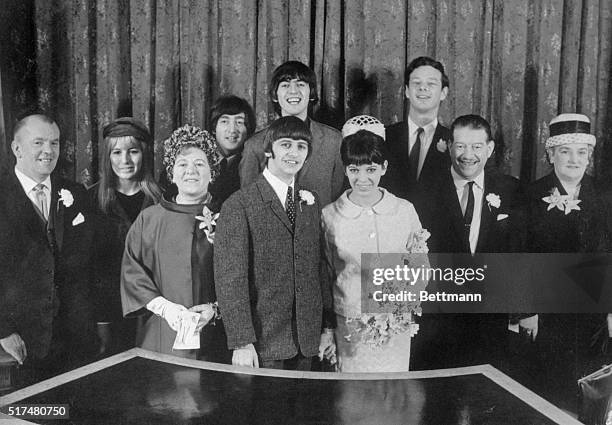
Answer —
(570, 128)
(363, 122)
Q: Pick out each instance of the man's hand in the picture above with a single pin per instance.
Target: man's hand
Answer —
(245, 356)
(529, 325)
(206, 311)
(327, 346)
(14, 345)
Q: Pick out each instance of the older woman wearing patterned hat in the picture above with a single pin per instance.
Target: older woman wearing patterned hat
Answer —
(125, 188)
(565, 214)
(368, 219)
(167, 275)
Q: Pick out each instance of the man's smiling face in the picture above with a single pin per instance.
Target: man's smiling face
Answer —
(469, 151)
(293, 97)
(425, 90)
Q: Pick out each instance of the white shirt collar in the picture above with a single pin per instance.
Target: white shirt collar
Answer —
(28, 184)
(460, 182)
(279, 186)
(429, 128)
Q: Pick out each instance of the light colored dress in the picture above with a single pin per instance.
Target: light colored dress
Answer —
(351, 230)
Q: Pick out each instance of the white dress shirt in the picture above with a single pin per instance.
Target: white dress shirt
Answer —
(28, 186)
(279, 186)
(426, 139)
(462, 194)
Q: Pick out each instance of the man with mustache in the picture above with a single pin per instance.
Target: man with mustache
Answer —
(469, 209)
(417, 145)
(46, 226)
(293, 89)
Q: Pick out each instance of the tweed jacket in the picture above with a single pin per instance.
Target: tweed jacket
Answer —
(398, 179)
(269, 277)
(323, 172)
(45, 269)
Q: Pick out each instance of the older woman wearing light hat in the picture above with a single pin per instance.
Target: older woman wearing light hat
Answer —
(167, 275)
(565, 214)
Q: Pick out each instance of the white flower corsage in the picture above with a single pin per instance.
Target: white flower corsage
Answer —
(418, 243)
(493, 200)
(66, 197)
(208, 223)
(306, 196)
(562, 202)
(442, 145)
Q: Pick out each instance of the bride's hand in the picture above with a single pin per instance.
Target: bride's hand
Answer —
(207, 312)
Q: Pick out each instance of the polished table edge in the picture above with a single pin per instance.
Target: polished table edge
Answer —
(527, 396)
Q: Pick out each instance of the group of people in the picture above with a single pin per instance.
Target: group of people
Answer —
(252, 255)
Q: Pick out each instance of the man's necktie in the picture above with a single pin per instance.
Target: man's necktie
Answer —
(290, 205)
(223, 166)
(415, 153)
(41, 199)
(469, 212)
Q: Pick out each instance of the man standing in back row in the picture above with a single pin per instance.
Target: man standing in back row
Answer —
(417, 148)
(293, 89)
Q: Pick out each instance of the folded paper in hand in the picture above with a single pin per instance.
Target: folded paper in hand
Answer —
(187, 336)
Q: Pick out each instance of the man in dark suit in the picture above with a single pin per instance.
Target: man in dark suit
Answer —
(293, 89)
(232, 121)
(470, 210)
(268, 268)
(417, 145)
(45, 318)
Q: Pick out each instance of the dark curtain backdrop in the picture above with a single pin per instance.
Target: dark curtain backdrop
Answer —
(517, 62)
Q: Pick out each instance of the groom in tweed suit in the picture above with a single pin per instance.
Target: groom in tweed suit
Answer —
(268, 260)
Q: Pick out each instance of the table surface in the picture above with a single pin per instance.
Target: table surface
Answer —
(141, 387)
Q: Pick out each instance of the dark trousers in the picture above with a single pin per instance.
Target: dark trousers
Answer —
(298, 362)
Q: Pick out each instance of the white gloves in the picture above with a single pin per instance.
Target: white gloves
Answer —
(173, 313)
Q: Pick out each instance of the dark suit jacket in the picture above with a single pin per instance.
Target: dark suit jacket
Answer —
(397, 180)
(452, 340)
(269, 276)
(226, 183)
(45, 270)
(323, 172)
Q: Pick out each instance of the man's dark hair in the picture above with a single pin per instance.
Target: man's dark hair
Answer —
(475, 122)
(293, 70)
(425, 61)
(287, 128)
(363, 147)
(232, 105)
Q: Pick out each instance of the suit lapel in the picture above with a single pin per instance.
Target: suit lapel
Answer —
(269, 197)
(452, 206)
(486, 215)
(56, 213)
(433, 147)
(33, 222)
(317, 141)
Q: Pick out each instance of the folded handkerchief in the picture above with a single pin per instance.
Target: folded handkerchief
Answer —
(187, 337)
(501, 217)
(78, 219)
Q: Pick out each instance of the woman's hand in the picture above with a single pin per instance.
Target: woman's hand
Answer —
(207, 312)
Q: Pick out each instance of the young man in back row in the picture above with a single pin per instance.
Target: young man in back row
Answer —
(417, 149)
(293, 89)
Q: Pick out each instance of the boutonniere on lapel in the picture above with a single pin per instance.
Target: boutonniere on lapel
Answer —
(442, 145)
(66, 198)
(208, 223)
(562, 202)
(493, 200)
(306, 197)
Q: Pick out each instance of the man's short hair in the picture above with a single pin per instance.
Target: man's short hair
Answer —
(293, 70)
(425, 61)
(232, 105)
(475, 122)
(288, 127)
(23, 119)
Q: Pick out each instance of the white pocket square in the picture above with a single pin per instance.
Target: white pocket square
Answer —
(78, 219)
(501, 217)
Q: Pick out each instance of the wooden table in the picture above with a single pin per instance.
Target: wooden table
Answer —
(142, 387)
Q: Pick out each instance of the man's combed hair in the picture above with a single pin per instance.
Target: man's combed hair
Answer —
(23, 119)
(363, 147)
(475, 122)
(287, 128)
(425, 61)
(233, 105)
